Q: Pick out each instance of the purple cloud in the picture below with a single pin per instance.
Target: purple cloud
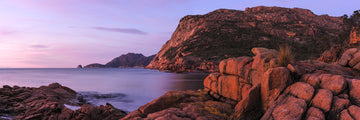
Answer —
(7, 32)
(122, 30)
(38, 46)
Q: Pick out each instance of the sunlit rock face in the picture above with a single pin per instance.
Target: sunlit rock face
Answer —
(200, 42)
(355, 35)
(258, 87)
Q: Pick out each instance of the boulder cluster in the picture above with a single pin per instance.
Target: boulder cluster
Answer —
(252, 88)
(301, 90)
(47, 103)
(351, 58)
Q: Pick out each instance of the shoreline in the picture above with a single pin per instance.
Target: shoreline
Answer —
(248, 88)
(49, 102)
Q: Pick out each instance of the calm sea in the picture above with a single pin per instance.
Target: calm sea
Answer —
(124, 88)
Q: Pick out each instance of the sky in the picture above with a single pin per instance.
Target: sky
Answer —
(66, 33)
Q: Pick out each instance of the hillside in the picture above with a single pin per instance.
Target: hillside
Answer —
(201, 41)
(127, 60)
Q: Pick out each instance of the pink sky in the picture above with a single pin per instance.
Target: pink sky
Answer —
(66, 33)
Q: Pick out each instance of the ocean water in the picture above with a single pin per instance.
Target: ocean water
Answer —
(124, 88)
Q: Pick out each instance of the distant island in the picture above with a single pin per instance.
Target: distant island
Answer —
(126, 60)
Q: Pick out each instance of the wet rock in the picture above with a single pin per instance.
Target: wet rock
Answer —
(315, 114)
(323, 100)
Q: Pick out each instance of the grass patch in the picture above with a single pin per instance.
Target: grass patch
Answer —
(285, 55)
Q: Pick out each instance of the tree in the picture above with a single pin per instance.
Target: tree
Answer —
(353, 20)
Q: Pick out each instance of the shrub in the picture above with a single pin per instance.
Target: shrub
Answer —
(285, 55)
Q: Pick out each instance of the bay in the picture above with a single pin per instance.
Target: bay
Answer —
(124, 88)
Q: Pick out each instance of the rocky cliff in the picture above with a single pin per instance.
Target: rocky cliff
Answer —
(201, 41)
(127, 60)
(253, 88)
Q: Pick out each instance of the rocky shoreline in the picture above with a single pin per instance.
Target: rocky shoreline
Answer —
(252, 88)
(245, 88)
(49, 102)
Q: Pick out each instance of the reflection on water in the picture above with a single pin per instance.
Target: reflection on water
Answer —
(129, 87)
(187, 81)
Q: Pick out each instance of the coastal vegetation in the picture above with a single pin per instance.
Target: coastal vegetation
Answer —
(285, 56)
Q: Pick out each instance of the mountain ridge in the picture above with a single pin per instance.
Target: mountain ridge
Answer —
(125, 60)
(201, 41)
